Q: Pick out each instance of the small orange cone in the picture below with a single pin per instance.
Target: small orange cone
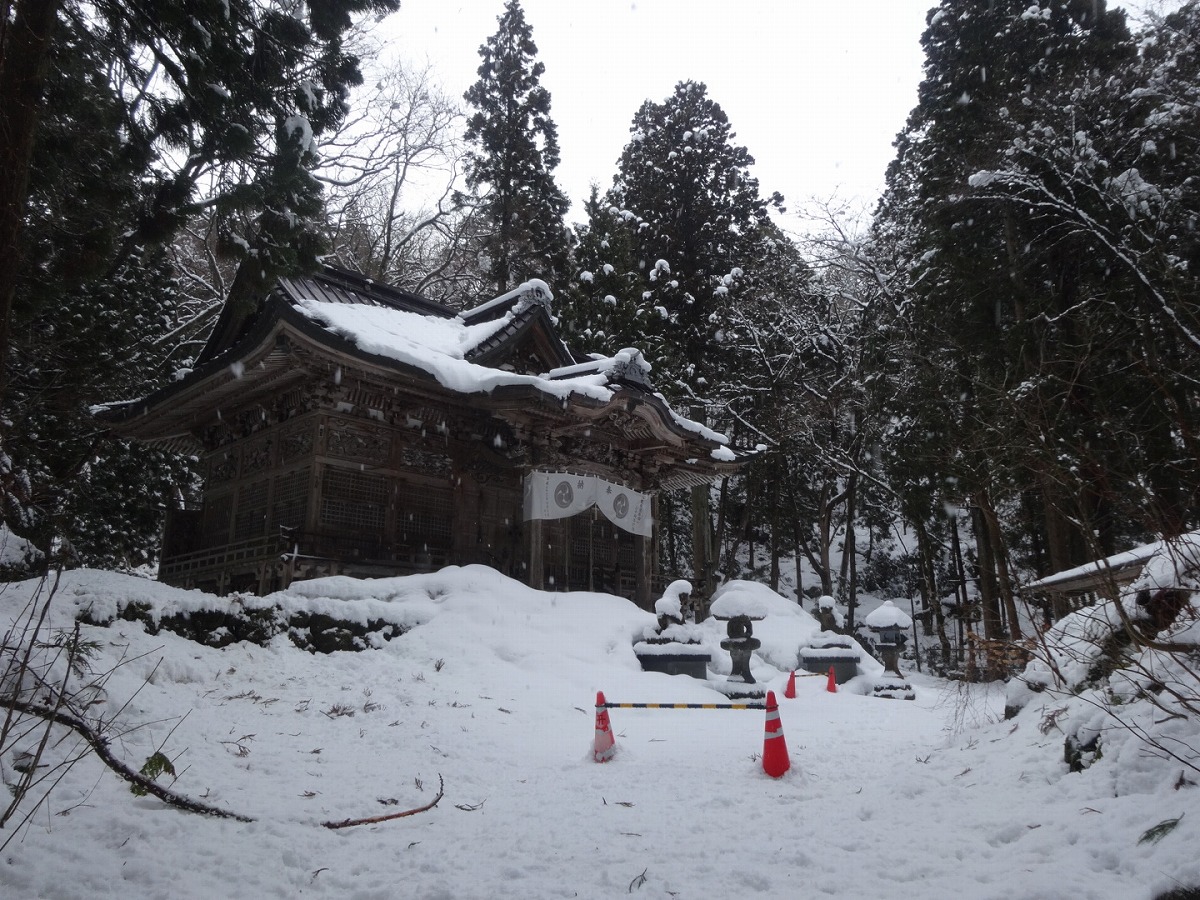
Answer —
(605, 743)
(831, 686)
(790, 690)
(775, 753)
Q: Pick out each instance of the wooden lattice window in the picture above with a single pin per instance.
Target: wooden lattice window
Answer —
(626, 557)
(214, 528)
(250, 520)
(426, 517)
(352, 500)
(289, 505)
(594, 542)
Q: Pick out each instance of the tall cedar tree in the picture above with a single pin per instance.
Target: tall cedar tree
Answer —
(1108, 169)
(84, 335)
(516, 152)
(216, 96)
(982, 281)
(600, 313)
(669, 252)
(697, 215)
(118, 121)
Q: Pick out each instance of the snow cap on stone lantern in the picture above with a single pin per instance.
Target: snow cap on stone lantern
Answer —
(738, 603)
(672, 600)
(888, 615)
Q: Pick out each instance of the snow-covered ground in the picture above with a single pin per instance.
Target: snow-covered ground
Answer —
(493, 691)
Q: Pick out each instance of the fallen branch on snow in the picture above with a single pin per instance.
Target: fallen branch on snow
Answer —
(99, 744)
(370, 820)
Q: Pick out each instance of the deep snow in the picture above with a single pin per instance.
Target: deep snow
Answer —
(493, 689)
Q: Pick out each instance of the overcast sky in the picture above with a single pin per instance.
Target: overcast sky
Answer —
(816, 91)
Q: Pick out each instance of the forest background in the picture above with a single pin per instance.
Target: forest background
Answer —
(995, 378)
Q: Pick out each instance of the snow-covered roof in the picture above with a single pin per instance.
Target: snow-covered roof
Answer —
(437, 346)
(1120, 568)
(444, 348)
(627, 365)
(520, 298)
(474, 353)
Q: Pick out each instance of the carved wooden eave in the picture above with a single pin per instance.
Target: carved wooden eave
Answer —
(285, 352)
(283, 349)
(530, 326)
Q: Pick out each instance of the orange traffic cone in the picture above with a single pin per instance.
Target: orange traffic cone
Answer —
(775, 753)
(605, 743)
(831, 686)
(790, 690)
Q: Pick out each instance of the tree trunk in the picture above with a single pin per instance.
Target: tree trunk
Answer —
(774, 526)
(718, 538)
(725, 552)
(988, 597)
(820, 565)
(1059, 533)
(850, 553)
(825, 540)
(24, 59)
(671, 535)
(961, 589)
(701, 542)
(1000, 555)
(929, 590)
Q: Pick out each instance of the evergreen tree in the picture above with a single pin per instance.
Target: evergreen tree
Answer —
(91, 500)
(514, 156)
(697, 217)
(600, 312)
(663, 264)
(1107, 169)
(217, 101)
(990, 334)
(118, 123)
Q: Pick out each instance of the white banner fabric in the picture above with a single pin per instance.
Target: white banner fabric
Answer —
(557, 495)
(625, 508)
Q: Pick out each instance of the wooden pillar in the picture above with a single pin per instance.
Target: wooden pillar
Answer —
(591, 578)
(537, 571)
(465, 533)
(641, 564)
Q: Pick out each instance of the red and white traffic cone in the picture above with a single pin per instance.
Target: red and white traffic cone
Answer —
(831, 685)
(605, 745)
(790, 690)
(775, 753)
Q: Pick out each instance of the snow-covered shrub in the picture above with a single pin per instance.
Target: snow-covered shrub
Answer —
(40, 669)
(1133, 661)
(18, 558)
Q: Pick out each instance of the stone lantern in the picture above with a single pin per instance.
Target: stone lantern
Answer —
(890, 623)
(739, 611)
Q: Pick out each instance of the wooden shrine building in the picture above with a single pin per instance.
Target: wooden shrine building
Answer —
(348, 427)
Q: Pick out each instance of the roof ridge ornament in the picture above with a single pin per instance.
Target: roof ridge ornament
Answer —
(533, 292)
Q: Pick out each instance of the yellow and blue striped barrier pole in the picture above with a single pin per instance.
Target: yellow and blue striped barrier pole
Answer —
(685, 705)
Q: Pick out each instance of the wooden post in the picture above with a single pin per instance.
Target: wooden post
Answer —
(537, 572)
(641, 564)
(591, 579)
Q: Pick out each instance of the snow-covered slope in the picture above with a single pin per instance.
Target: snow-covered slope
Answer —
(492, 689)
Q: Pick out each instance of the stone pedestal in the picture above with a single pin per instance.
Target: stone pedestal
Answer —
(740, 645)
(673, 659)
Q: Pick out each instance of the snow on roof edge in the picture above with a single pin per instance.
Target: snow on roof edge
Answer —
(1116, 562)
(536, 290)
